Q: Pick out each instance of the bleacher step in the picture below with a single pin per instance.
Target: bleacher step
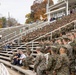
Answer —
(26, 72)
(5, 58)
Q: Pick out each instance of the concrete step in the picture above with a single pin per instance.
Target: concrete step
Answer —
(4, 54)
(19, 69)
(5, 58)
(13, 72)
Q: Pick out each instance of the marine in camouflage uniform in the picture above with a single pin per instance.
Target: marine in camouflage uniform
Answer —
(62, 65)
(72, 60)
(40, 63)
(68, 46)
(52, 61)
(58, 44)
(28, 60)
(73, 63)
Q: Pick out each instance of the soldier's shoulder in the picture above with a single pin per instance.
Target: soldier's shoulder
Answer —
(73, 43)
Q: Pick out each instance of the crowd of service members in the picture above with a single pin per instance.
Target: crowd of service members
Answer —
(58, 57)
(54, 57)
(48, 28)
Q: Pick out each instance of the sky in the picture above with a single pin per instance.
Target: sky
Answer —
(16, 8)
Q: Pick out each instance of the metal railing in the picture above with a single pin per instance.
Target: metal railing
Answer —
(22, 32)
(33, 41)
(8, 36)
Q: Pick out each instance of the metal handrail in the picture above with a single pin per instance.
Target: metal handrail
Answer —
(46, 34)
(4, 38)
(25, 32)
(2, 30)
(29, 25)
(34, 28)
(23, 27)
(33, 41)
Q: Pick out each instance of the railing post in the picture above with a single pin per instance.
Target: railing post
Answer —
(74, 24)
(15, 33)
(32, 47)
(20, 30)
(51, 35)
(5, 37)
(18, 41)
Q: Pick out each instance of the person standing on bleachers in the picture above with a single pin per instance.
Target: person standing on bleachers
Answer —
(52, 60)
(73, 62)
(40, 63)
(66, 41)
(62, 64)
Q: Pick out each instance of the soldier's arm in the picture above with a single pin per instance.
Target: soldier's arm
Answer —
(58, 64)
(49, 65)
(36, 62)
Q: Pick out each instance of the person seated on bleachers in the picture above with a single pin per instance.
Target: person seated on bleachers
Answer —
(28, 60)
(14, 58)
(40, 63)
(6, 46)
(20, 59)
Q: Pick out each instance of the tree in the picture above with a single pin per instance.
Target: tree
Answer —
(0, 23)
(11, 22)
(38, 9)
(4, 22)
(29, 17)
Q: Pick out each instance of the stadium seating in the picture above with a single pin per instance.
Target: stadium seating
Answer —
(66, 24)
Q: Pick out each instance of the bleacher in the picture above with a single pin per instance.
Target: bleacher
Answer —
(50, 27)
(14, 33)
(5, 55)
(45, 33)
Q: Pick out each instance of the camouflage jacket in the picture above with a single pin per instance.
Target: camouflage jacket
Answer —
(40, 62)
(62, 65)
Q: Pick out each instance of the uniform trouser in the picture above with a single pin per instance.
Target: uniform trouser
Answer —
(39, 72)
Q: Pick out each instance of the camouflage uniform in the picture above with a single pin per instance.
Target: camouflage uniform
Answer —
(40, 64)
(29, 58)
(51, 63)
(69, 50)
(28, 61)
(58, 48)
(12, 57)
(73, 63)
(62, 65)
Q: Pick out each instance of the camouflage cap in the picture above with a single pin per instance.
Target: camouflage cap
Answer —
(48, 48)
(73, 30)
(60, 38)
(63, 46)
(40, 49)
(65, 37)
(68, 34)
(53, 48)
